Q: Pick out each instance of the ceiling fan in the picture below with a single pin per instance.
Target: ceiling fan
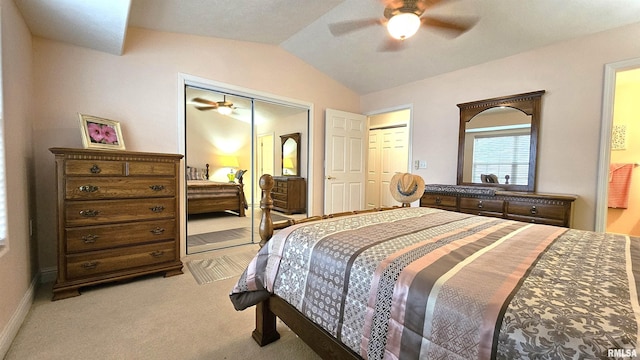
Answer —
(224, 107)
(403, 18)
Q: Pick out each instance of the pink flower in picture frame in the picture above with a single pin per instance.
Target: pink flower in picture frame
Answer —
(100, 133)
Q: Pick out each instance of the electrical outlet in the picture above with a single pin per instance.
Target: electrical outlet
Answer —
(423, 164)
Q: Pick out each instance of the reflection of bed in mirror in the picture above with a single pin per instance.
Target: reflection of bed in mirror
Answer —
(204, 196)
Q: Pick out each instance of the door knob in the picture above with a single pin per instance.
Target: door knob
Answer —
(330, 178)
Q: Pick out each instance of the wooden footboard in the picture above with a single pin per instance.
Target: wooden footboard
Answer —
(313, 335)
(325, 345)
(215, 197)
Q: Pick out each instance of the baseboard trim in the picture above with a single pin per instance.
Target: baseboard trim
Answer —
(11, 330)
(48, 275)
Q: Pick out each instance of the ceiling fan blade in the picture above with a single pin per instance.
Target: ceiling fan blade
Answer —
(391, 44)
(455, 27)
(345, 27)
(205, 101)
(203, 108)
(423, 5)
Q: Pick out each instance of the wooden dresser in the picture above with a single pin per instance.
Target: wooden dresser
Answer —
(551, 209)
(117, 216)
(289, 194)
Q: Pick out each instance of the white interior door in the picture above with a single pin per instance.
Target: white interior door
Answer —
(345, 161)
(388, 155)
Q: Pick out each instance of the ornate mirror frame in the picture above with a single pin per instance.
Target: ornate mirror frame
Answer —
(528, 103)
(296, 170)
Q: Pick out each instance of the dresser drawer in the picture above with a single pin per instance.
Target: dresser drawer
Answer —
(280, 187)
(94, 167)
(536, 220)
(118, 187)
(119, 168)
(100, 237)
(107, 261)
(432, 200)
(482, 205)
(548, 211)
(149, 168)
(81, 213)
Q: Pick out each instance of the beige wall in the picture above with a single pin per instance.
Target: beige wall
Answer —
(570, 72)
(626, 110)
(18, 265)
(140, 89)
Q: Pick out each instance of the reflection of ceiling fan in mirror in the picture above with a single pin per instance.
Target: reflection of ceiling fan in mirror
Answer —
(224, 107)
(403, 18)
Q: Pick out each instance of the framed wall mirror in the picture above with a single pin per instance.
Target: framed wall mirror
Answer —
(290, 154)
(498, 142)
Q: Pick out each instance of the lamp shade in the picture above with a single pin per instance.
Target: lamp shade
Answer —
(228, 161)
(403, 25)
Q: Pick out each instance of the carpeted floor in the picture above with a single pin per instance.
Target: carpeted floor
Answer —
(149, 318)
(228, 234)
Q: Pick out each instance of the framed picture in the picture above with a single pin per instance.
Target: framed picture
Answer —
(100, 133)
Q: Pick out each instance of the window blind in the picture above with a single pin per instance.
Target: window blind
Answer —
(502, 155)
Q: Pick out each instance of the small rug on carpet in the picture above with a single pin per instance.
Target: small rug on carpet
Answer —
(278, 217)
(223, 267)
(218, 236)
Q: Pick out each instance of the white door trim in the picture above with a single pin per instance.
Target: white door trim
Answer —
(609, 90)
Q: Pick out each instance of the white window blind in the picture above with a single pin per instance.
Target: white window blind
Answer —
(502, 155)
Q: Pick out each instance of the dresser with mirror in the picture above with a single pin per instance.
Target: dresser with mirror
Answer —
(497, 158)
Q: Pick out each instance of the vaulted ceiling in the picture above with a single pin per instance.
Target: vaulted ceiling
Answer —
(301, 27)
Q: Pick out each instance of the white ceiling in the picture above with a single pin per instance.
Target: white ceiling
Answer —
(504, 27)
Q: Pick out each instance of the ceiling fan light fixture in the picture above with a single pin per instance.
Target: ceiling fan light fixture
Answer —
(224, 110)
(403, 25)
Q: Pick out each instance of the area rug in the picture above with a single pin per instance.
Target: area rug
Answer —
(209, 270)
(277, 217)
(218, 236)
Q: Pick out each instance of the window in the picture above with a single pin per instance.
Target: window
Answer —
(502, 155)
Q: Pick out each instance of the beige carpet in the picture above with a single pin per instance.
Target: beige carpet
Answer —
(149, 318)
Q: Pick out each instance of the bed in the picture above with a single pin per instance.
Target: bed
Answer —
(204, 196)
(422, 283)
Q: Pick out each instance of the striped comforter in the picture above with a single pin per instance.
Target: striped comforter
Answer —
(420, 283)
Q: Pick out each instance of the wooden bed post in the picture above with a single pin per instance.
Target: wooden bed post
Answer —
(265, 332)
(266, 204)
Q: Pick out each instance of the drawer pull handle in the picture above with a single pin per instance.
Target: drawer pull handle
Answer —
(480, 204)
(88, 188)
(438, 201)
(157, 231)
(89, 239)
(533, 210)
(157, 209)
(95, 169)
(90, 265)
(89, 213)
(157, 187)
(157, 253)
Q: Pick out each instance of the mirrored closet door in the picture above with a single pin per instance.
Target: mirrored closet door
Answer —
(230, 141)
